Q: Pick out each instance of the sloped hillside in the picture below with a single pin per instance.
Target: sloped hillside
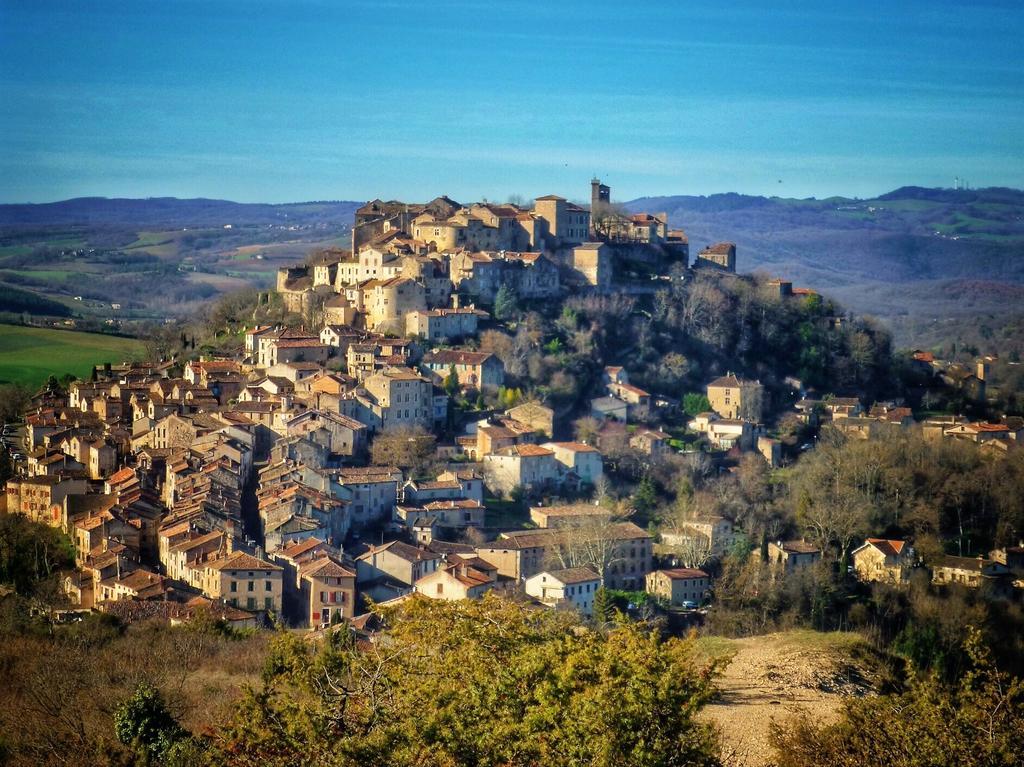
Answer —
(913, 251)
(777, 677)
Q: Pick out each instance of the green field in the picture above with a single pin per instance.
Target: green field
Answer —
(30, 355)
(44, 274)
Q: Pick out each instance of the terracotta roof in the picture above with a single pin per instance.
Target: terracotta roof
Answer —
(726, 380)
(239, 560)
(439, 484)
(976, 564)
(579, 447)
(405, 374)
(296, 343)
(798, 547)
(324, 566)
(458, 503)
(572, 510)
(358, 474)
(123, 475)
(680, 573)
(633, 389)
(888, 547)
(139, 580)
(455, 357)
(526, 451)
(574, 575)
(516, 539)
(402, 550)
(197, 541)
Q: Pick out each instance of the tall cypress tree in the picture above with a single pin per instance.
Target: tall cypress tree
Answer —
(604, 607)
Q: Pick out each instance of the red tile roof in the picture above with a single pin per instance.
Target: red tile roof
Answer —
(455, 357)
(887, 547)
(123, 475)
(242, 561)
(578, 447)
(687, 573)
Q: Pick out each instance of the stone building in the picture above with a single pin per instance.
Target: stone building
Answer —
(721, 255)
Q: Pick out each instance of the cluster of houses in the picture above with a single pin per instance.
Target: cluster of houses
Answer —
(971, 380)
(245, 484)
(419, 269)
(850, 416)
(248, 485)
(893, 561)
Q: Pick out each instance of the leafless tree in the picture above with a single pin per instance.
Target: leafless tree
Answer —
(606, 216)
(693, 549)
(594, 542)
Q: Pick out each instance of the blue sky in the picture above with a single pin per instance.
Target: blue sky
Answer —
(287, 100)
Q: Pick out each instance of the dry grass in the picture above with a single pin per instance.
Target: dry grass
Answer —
(777, 677)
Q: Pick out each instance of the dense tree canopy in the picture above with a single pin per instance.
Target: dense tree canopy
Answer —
(476, 683)
(976, 722)
(31, 554)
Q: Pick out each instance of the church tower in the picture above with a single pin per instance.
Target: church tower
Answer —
(599, 193)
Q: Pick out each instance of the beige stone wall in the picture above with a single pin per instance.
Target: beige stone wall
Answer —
(241, 595)
(387, 305)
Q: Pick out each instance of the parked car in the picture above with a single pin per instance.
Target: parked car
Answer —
(688, 605)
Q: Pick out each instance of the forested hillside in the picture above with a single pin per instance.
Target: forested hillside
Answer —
(931, 262)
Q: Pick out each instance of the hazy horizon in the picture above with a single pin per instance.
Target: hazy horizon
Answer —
(280, 101)
(471, 198)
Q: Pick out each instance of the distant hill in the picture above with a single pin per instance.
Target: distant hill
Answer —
(911, 254)
(914, 256)
(122, 262)
(157, 212)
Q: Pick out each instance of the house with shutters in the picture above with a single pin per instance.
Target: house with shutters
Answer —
(396, 561)
(793, 555)
(679, 585)
(569, 588)
(882, 560)
(326, 591)
(476, 370)
(462, 577)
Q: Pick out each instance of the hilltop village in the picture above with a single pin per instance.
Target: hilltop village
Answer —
(377, 450)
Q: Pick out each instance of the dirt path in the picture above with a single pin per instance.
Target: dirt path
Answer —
(775, 678)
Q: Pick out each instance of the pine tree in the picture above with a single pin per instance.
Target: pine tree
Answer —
(646, 495)
(505, 303)
(604, 607)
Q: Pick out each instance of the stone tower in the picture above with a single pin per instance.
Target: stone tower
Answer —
(599, 193)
